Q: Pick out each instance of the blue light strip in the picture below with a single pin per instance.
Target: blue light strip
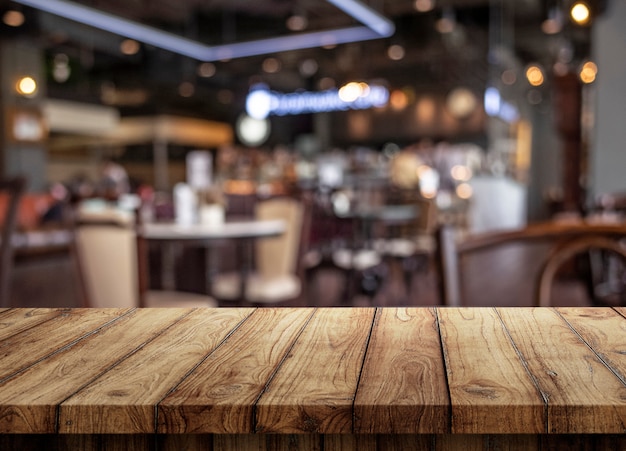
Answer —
(377, 26)
(366, 15)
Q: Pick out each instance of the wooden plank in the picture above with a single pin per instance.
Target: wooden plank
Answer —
(489, 442)
(350, 442)
(28, 401)
(28, 347)
(490, 390)
(604, 330)
(220, 394)
(267, 442)
(17, 320)
(583, 442)
(404, 442)
(123, 400)
(513, 442)
(465, 442)
(108, 442)
(403, 384)
(583, 395)
(313, 391)
(293, 442)
(185, 442)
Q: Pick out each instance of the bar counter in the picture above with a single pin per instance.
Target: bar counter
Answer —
(313, 379)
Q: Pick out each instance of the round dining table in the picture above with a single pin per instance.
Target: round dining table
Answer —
(244, 231)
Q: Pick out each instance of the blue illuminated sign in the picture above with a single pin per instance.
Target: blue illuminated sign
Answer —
(261, 103)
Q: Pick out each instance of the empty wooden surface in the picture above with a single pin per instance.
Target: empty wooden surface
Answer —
(347, 373)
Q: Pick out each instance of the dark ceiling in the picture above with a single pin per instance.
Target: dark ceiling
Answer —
(148, 82)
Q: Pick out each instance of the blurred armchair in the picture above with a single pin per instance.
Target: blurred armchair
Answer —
(276, 277)
(112, 257)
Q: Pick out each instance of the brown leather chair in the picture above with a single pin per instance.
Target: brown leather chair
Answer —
(565, 252)
(11, 191)
(556, 242)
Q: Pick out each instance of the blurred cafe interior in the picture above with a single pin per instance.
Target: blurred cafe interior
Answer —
(312, 152)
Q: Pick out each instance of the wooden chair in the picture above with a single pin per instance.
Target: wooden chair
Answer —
(277, 274)
(565, 252)
(414, 244)
(548, 237)
(112, 256)
(11, 191)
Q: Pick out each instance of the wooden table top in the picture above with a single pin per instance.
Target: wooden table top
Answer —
(328, 371)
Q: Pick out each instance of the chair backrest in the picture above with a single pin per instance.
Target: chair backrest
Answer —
(426, 219)
(563, 253)
(107, 250)
(11, 191)
(280, 255)
(540, 237)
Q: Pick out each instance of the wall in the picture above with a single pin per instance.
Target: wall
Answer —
(608, 140)
(21, 157)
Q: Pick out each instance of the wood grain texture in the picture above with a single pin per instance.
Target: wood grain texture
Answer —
(281, 377)
(311, 442)
(28, 401)
(604, 330)
(403, 385)
(124, 399)
(268, 442)
(21, 350)
(349, 442)
(314, 389)
(577, 385)
(220, 395)
(17, 320)
(490, 442)
(490, 390)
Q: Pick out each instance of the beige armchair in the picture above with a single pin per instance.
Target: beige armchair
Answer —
(276, 277)
(111, 257)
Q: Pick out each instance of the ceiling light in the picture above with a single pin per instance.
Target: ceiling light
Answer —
(206, 70)
(461, 102)
(308, 67)
(554, 22)
(297, 22)
(350, 92)
(580, 13)
(396, 52)
(447, 22)
(534, 75)
(588, 72)
(398, 100)
(186, 89)
(13, 18)
(375, 26)
(129, 47)
(271, 65)
(26, 86)
(423, 6)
